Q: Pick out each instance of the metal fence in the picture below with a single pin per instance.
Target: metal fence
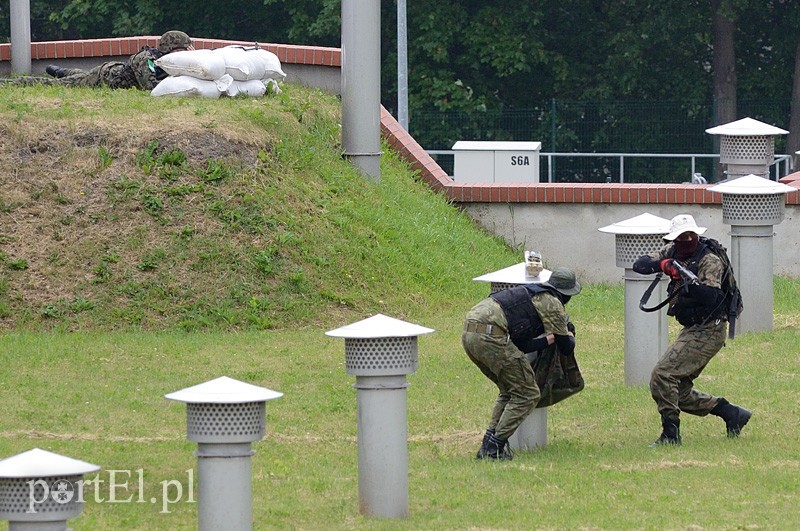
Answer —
(627, 167)
(603, 142)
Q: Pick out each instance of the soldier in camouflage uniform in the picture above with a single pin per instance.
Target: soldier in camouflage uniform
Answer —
(699, 308)
(499, 331)
(138, 72)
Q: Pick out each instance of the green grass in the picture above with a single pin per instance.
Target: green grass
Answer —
(198, 215)
(100, 397)
(133, 270)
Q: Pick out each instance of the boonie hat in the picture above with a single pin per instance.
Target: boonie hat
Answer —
(683, 223)
(563, 280)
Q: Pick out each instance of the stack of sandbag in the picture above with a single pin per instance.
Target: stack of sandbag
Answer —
(229, 71)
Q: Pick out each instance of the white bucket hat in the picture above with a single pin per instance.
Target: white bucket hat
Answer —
(683, 223)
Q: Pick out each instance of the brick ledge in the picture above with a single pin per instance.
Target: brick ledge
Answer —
(288, 53)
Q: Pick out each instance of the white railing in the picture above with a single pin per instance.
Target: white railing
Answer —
(782, 163)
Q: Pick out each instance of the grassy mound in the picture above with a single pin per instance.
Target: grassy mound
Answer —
(119, 210)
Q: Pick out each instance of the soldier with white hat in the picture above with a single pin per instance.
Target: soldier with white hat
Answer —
(700, 307)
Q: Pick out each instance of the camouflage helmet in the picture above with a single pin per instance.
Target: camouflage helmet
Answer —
(172, 40)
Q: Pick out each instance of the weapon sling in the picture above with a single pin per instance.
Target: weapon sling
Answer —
(649, 291)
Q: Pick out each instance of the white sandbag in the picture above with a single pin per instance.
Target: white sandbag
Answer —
(272, 65)
(253, 88)
(186, 86)
(202, 64)
(241, 65)
(223, 83)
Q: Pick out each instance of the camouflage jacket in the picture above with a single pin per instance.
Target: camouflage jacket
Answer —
(141, 71)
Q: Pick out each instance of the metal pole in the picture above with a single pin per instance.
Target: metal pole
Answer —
(224, 490)
(20, 21)
(532, 433)
(643, 347)
(382, 446)
(752, 260)
(402, 65)
(361, 85)
(553, 128)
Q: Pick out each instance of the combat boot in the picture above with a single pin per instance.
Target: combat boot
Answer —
(497, 449)
(670, 434)
(55, 71)
(482, 450)
(735, 417)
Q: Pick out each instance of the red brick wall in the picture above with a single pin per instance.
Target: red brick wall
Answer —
(287, 53)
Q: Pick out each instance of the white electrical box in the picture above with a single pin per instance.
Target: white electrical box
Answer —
(496, 162)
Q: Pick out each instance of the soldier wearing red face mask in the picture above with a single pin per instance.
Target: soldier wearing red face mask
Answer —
(701, 310)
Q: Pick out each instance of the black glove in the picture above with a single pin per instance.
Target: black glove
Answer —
(571, 328)
(646, 265)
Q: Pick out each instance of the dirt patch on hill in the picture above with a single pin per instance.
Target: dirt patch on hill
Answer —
(58, 184)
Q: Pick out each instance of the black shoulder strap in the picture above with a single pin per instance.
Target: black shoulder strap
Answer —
(649, 291)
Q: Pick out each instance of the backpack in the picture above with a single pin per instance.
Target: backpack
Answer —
(732, 303)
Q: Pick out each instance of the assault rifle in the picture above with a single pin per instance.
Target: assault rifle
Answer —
(688, 276)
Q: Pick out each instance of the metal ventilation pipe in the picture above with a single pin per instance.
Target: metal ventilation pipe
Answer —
(40, 490)
(380, 351)
(224, 417)
(361, 85)
(646, 334)
(747, 146)
(752, 205)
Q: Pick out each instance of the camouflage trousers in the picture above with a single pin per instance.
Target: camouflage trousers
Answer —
(107, 74)
(505, 365)
(672, 379)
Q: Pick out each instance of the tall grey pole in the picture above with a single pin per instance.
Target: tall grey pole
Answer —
(402, 65)
(361, 84)
(382, 444)
(20, 36)
(646, 334)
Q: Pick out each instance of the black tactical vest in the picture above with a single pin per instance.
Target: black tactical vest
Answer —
(524, 322)
(687, 310)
